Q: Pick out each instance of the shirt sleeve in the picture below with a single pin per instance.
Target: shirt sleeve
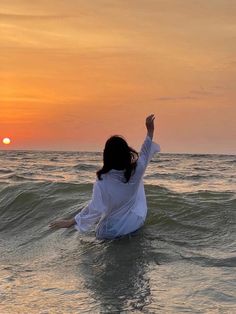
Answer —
(92, 213)
(148, 149)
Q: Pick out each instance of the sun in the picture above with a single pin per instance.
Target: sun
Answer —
(6, 140)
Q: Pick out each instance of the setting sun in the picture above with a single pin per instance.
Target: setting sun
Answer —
(6, 141)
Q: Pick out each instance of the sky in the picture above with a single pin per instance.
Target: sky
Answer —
(73, 73)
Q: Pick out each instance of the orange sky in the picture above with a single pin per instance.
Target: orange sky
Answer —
(73, 73)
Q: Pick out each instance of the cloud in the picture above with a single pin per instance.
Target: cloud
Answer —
(194, 94)
(201, 92)
(7, 16)
(168, 98)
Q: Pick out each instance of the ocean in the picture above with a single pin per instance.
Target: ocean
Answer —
(182, 261)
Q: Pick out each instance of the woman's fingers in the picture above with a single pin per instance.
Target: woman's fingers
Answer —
(53, 224)
(150, 118)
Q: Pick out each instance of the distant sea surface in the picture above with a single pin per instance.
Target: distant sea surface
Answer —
(182, 261)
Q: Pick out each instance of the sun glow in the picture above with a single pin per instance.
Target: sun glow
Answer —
(6, 141)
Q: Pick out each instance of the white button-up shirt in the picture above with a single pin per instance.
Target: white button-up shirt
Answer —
(118, 208)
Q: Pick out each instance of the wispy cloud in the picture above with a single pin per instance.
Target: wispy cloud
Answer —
(201, 92)
(194, 94)
(7, 16)
(173, 98)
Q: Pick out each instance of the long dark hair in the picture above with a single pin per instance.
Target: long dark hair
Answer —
(119, 156)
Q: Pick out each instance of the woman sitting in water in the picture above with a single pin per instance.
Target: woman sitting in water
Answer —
(118, 205)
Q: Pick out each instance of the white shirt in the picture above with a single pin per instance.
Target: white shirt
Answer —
(118, 208)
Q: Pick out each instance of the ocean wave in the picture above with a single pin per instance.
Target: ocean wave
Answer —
(54, 159)
(4, 171)
(207, 261)
(181, 176)
(204, 156)
(161, 160)
(15, 177)
(203, 168)
(16, 198)
(23, 177)
(85, 167)
(27, 208)
(212, 195)
(49, 167)
(182, 210)
(230, 162)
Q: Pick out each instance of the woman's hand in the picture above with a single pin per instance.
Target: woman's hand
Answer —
(150, 125)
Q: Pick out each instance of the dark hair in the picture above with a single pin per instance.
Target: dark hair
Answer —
(119, 156)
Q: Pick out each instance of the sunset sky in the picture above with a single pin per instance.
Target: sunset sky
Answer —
(74, 72)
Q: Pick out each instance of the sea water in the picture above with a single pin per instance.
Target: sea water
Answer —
(182, 260)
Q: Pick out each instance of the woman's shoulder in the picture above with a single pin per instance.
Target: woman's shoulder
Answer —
(102, 181)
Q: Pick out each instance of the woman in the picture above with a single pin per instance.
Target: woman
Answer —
(118, 205)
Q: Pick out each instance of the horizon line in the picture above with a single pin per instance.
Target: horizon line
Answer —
(94, 151)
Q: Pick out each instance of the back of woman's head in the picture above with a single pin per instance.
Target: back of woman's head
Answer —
(119, 156)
